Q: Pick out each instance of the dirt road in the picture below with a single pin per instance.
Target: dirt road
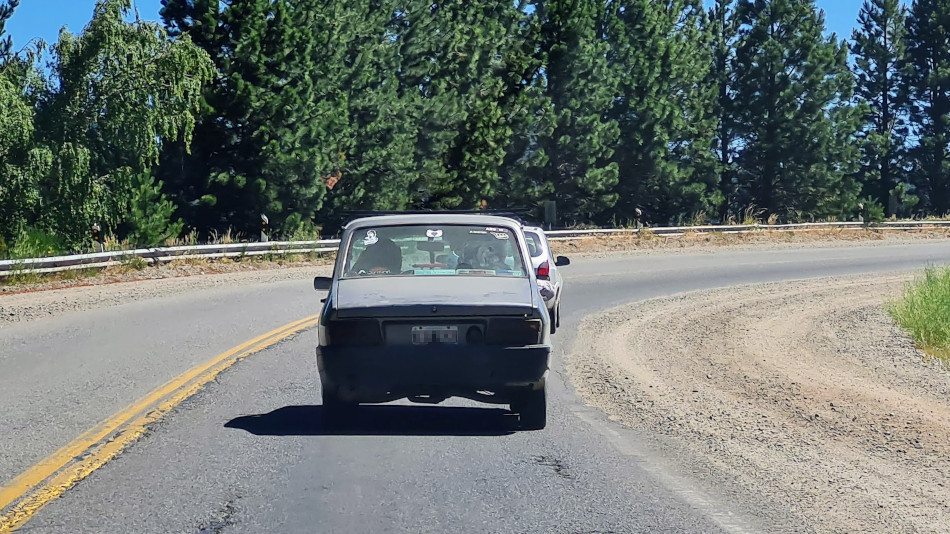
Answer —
(803, 395)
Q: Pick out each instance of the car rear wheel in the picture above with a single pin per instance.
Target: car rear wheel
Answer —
(532, 408)
(555, 317)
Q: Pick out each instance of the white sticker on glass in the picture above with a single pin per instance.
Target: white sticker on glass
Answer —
(370, 238)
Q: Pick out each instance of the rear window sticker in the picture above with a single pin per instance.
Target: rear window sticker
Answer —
(371, 238)
(500, 235)
(433, 233)
(475, 271)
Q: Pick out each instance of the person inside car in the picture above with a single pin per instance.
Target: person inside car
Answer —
(380, 257)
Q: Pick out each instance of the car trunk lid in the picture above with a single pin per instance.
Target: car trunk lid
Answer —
(433, 296)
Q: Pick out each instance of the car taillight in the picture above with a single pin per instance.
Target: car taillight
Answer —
(514, 331)
(361, 332)
(544, 271)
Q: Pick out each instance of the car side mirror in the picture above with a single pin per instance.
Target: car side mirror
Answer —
(322, 283)
(561, 261)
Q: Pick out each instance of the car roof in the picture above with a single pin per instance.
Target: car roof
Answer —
(432, 218)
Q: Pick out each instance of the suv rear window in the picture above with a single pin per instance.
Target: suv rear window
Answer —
(535, 248)
(426, 250)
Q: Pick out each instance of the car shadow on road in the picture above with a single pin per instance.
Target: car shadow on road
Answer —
(385, 420)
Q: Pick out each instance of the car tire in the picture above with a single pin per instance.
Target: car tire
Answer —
(532, 408)
(554, 318)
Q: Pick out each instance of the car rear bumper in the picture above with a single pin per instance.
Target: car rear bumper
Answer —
(379, 374)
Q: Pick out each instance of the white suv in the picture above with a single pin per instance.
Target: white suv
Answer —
(550, 282)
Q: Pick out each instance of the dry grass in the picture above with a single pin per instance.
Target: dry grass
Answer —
(646, 240)
(27, 278)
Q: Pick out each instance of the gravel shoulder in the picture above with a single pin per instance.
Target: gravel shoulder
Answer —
(800, 396)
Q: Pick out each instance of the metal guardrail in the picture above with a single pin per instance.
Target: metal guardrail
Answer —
(163, 254)
(673, 231)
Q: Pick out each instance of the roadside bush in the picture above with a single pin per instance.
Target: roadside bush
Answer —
(35, 243)
(924, 311)
(134, 263)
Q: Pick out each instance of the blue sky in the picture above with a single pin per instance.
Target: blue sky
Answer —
(44, 18)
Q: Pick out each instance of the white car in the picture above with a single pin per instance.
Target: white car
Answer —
(550, 281)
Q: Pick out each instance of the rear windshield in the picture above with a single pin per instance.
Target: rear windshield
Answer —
(534, 244)
(427, 250)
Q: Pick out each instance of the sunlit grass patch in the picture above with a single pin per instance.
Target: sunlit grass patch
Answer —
(924, 311)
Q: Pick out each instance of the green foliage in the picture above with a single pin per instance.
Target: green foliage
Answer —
(922, 311)
(72, 145)
(267, 128)
(871, 210)
(301, 109)
(150, 213)
(576, 138)
(665, 109)
(797, 129)
(134, 263)
(722, 27)
(6, 43)
(928, 77)
(902, 201)
(879, 47)
(35, 243)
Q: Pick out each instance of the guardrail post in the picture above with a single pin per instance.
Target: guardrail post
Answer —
(550, 213)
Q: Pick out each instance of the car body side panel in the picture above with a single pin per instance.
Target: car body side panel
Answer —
(556, 283)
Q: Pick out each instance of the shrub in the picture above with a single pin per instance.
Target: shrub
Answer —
(924, 311)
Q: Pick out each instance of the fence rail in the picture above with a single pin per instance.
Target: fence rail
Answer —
(163, 254)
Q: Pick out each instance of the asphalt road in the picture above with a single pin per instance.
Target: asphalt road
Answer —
(250, 453)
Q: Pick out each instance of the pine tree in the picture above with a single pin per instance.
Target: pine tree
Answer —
(928, 75)
(258, 146)
(378, 136)
(491, 75)
(660, 53)
(151, 222)
(797, 126)
(576, 139)
(878, 45)
(520, 182)
(6, 43)
(723, 30)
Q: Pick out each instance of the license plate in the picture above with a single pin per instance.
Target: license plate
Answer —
(425, 335)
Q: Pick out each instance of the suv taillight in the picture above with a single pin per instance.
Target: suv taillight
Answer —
(359, 332)
(544, 271)
(513, 332)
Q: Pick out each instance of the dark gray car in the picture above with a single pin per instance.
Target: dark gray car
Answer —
(431, 306)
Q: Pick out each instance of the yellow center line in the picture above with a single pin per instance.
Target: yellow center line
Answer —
(88, 452)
